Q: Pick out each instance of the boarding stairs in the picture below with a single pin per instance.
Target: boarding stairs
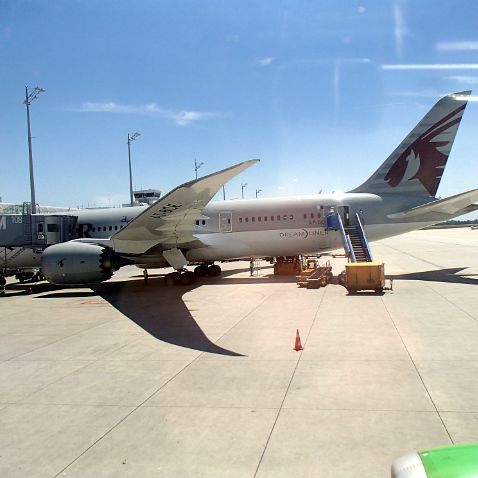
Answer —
(358, 247)
(353, 238)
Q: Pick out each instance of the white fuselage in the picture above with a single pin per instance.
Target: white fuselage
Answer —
(250, 228)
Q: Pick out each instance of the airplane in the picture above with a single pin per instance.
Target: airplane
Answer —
(185, 226)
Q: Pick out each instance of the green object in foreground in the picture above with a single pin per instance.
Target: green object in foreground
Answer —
(459, 461)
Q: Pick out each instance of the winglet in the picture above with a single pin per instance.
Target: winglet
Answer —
(222, 176)
(171, 218)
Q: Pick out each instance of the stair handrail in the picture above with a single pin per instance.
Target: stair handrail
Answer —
(349, 250)
(363, 238)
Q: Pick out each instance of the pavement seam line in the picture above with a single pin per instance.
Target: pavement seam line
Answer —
(21, 401)
(154, 393)
(288, 387)
(58, 341)
(452, 303)
(429, 286)
(418, 373)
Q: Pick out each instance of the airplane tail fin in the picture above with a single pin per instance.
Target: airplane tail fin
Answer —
(417, 164)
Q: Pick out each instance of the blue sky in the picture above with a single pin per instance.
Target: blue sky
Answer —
(312, 88)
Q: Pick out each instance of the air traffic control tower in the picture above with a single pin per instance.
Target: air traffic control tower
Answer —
(145, 196)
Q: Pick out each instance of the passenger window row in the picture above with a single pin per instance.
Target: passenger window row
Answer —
(312, 215)
(104, 228)
(278, 217)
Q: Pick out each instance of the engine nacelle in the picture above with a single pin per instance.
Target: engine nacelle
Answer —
(77, 263)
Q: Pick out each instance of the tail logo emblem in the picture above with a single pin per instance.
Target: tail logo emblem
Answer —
(423, 159)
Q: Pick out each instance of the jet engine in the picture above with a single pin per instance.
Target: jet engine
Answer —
(78, 263)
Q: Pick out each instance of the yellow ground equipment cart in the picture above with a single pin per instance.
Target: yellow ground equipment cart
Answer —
(365, 276)
(314, 275)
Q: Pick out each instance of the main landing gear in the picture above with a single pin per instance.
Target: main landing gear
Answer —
(186, 277)
(204, 270)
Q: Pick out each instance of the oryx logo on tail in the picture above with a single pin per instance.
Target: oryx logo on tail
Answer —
(423, 159)
(416, 165)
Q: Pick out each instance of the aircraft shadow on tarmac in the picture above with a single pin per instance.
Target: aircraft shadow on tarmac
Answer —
(160, 311)
(156, 308)
(440, 275)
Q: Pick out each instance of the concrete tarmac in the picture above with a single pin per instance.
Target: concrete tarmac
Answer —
(135, 380)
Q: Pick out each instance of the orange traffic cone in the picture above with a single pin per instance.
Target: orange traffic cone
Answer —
(298, 345)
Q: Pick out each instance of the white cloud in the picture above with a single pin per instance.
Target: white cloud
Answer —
(361, 9)
(333, 60)
(470, 80)
(457, 46)
(182, 118)
(432, 66)
(265, 61)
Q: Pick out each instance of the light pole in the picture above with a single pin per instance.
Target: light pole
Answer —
(130, 140)
(258, 191)
(243, 185)
(28, 101)
(196, 167)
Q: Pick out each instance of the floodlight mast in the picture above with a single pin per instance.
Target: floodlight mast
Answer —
(131, 138)
(243, 185)
(196, 167)
(28, 101)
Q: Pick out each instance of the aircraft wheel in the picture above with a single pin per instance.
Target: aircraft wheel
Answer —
(201, 270)
(174, 278)
(214, 270)
(188, 278)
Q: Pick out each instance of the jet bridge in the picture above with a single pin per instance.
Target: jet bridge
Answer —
(36, 231)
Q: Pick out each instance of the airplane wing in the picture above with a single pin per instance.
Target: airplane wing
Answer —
(170, 220)
(448, 206)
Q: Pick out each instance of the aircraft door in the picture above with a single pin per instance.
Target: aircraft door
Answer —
(344, 212)
(40, 232)
(53, 230)
(225, 221)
